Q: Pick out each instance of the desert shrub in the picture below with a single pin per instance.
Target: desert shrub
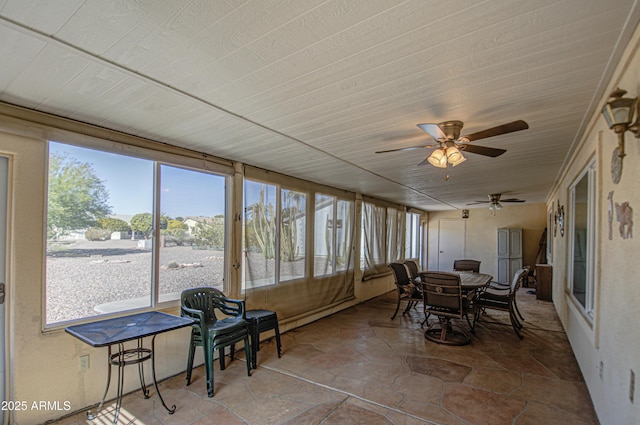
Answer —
(95, 234)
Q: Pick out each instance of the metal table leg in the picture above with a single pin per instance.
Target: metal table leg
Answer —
(121, 359)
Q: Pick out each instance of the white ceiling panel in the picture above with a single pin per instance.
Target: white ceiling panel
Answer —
(314, 88)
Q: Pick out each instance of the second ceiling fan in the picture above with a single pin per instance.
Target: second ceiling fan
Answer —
(449, 143)
(494, 201)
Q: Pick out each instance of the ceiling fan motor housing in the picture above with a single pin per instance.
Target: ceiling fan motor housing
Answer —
(451, 129)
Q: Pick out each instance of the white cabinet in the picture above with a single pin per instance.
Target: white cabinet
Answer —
(509, 253)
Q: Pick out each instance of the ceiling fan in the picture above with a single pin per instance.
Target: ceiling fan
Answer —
(494, 201)
(449, 143)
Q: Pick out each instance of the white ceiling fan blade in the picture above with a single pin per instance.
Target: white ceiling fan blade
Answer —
(434, 131)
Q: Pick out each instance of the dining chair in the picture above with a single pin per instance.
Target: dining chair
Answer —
(466, 265)
(414, 272)
(443, 298)
(212, 333)
(406, 289)
(506, 285)
(502, 299)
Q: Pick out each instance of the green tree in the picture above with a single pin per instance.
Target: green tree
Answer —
(143, 223)
(210, 234)
(113, 224)
(77, 197)
(173, 224)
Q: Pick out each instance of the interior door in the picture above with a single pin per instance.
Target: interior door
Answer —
(451, 242)
(4, 187)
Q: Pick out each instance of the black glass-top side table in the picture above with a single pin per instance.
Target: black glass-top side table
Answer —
(114, 333)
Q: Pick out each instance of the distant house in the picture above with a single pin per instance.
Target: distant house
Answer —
(193, 221)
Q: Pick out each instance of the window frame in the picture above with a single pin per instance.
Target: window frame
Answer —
(157, 159)
(588, 308)
(378, 258)
(385, 228)
(278, 225)
(335, 202)
(413, 236)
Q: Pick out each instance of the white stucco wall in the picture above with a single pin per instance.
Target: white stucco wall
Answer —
(481, 232)
(613, 338)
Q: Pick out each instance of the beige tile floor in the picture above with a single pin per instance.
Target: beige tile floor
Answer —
(360, 367)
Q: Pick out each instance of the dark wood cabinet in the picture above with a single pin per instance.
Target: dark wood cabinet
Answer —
(544, 284)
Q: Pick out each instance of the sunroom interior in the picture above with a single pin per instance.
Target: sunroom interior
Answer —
(235, 145)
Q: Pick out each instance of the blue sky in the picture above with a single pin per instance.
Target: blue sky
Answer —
(129, 182)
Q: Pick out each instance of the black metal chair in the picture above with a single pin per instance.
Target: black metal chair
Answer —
(466, 266)
(212, 333)
(503, 286)
(414, 272)
(443, 298)
(503, 299)
(406, 289)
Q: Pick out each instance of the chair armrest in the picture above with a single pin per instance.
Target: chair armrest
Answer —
(497, 285)
(233, 307)
(197, 315)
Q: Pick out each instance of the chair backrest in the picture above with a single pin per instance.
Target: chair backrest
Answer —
(442, 290)
(400, 273)
(518, 277)
(466, 265)
(413, 269)
(207, 300)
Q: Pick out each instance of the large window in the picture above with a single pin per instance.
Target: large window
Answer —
(395, 234)
(293, 227)
(372, 242)
(382, 238)
(260, 230)
(412, 236)
(298, 244)
(581, 242)
(274, 234)
(192, 235)
(103, 226)
(332, 235)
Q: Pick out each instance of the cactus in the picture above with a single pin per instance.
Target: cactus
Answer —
(291, 210)
(264, 225)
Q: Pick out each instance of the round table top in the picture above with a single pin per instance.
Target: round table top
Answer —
(470, 280)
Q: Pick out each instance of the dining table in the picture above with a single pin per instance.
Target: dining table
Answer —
(472, 284)
(471, 281)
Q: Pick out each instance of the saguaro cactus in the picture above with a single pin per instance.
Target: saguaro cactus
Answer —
(264, 225)
(292, 204)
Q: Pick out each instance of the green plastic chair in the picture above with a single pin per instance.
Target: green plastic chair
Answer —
(212, 333)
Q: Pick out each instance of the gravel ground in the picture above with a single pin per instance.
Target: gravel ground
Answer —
(105, 271)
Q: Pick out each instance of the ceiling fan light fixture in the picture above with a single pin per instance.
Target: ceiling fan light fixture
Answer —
(438, 158)
(454, 156)
(494, 206)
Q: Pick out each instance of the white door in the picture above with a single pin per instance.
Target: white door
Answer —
(451, 242)
(4, 176)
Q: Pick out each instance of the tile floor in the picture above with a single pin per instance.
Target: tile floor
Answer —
(360, 367)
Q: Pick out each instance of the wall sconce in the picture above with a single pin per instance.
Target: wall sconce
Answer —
(619, 112)
(465, 213)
